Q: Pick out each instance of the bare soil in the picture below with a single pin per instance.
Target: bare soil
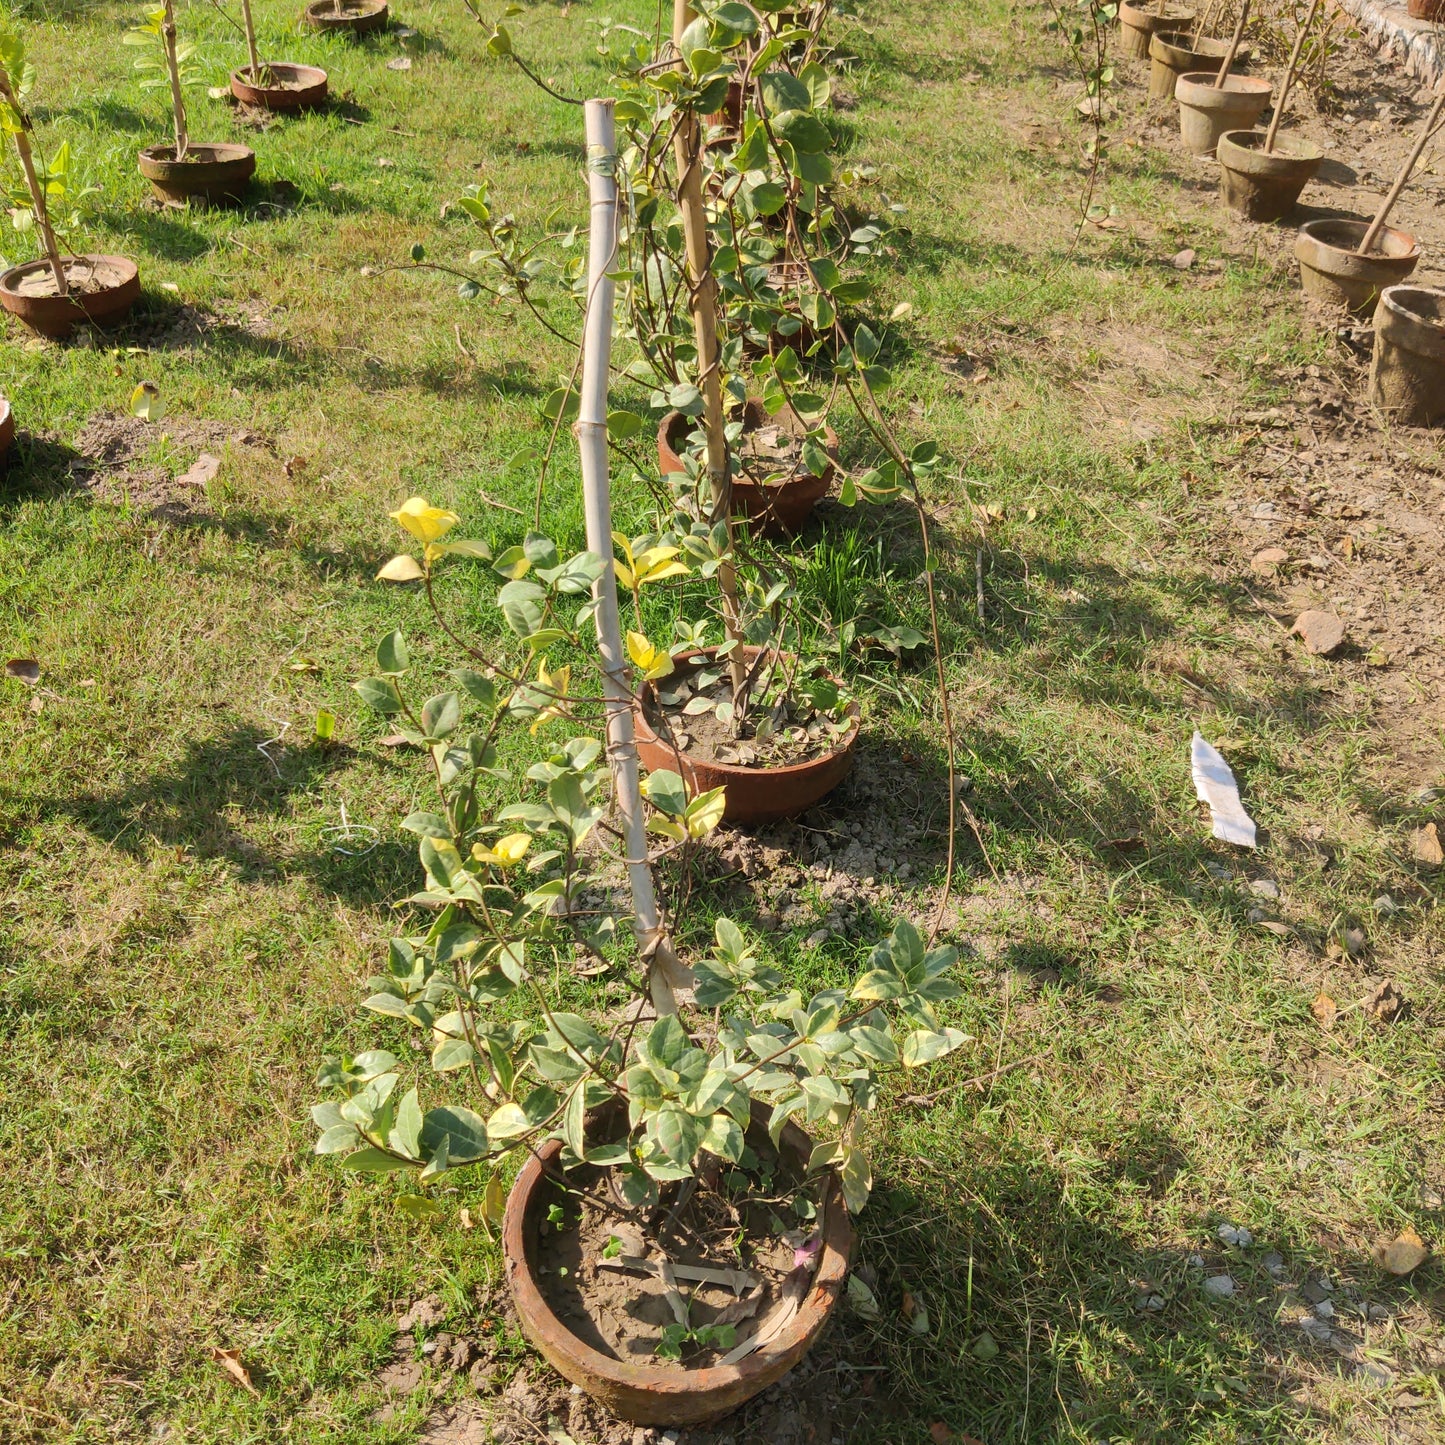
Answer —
(85, 274)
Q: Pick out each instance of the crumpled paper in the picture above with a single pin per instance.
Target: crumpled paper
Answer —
(1214, 784)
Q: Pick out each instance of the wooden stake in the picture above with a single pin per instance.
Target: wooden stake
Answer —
(702, 293)
(1386, 206)
(37, 191)
(251, 41)
(178, 104)
(1291, 71)
(1233, 46)
(666, 974)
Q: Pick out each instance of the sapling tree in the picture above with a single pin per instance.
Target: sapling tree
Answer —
(31, 208)
(158, 32)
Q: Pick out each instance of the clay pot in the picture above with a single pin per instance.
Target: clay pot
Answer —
(280, 87)
(1137, 24)
(778, 510)
(7, 427)
(754, 795)
(103, 289)
(1330, 271)
(1432, 10)
(208, 173)
(348, 17)
(645, 1394)
(1264, 187)
(1207, 111)
(1407, 373)
(1172, 54)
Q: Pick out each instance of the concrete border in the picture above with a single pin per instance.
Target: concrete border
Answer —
(1417, 46)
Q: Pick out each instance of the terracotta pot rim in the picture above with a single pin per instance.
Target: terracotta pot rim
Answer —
(830, 446)
(122, 263)
(352, 11)
(671, 1384)
(647, 695)
(1240, 87)
(1287, 148)
(1311, 231)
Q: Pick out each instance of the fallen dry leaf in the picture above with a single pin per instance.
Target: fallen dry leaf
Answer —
(1321, 632)
(201, 471)
(402, 62)
(1384, 1003)
(394, 740)
(1182, 260)
(296, 464)
(1268, 560)
(1324, 1009)
(230, 1362)
(1400, 1255)
(23, 669)
(1425, 843)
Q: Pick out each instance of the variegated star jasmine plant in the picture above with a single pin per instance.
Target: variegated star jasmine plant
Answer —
(510, 867)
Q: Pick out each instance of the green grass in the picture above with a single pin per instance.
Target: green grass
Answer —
(182, 941)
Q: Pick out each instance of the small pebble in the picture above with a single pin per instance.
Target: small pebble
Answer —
(1265, 887)
(1230, 1234)
(1386, 906)
(1324, 1310)
(1220, 1286)
(1154, 1302)
(1274, 1263)
(1196, 1261)
(815, 940)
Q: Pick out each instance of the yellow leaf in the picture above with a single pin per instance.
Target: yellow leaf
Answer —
(705, 812)
(640, 650)
(146, 403)
(425, 522)
(670, 569)
(469, 547)
(656, 823)
(557, 682)
(508, 852)
(401, 569)
(624, 576)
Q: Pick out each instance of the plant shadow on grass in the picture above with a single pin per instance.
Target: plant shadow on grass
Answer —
(1046, 1324)
(186, 805)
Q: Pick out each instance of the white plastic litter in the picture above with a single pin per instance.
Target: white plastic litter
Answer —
(1214, 784)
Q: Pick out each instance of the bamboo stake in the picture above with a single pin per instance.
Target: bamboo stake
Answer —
(702, 292)
(251, 41)
(1427, 130)
(173, 65)
(666, 974)
(1291, 71)
(1233, 50)
(37, 191)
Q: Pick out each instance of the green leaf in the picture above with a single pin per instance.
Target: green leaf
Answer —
(464, 1130)
(784, 92)
(637, 1189)
(374, 1161)
(392, 657)
(803, 131)
(476, 686)
(667, 1041)
(678, 1134)
(452, 1054)
(418, 1206)
(857, 1177)
(426, 825)
(379, 694)
(666, 790)
(574, 1118)
(337, 1139)
(440, 716)
(922, 1046)
(406, 1132)
(623, 424)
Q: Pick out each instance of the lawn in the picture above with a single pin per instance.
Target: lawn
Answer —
(197, 890)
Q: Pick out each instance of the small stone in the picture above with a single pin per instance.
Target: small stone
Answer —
(1321, 632)
(1274, 1263)
(1230, 1234)
(1316, 1329)
(1427, 847)
(1154, 1302)
(1219, 1286)
(1386, 906)
(1402, 1254)
(815, 940)
(1196, 1261)
(1325, 1310)
(1183, 260)
(1264, 887)
(1268, 560)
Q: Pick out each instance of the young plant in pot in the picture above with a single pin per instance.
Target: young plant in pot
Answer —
(346, 17)
(183, 171)
(52, 294)
(274, 85)
(675, 1241)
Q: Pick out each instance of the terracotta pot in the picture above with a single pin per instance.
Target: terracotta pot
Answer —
(352, 17)
(648, 1394)
(1137, 24)
(778, 510)
(286, 87)
(1207, 111)
(1172, 54)
(106, 287)
(1330, 271)
(7, 427)
(754, 795)
(208, 173)
(1431, 10)
(1407, 372)
(1264, 187)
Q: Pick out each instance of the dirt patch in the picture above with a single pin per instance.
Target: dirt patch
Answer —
(151, 465)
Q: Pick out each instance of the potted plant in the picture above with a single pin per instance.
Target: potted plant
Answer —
(276, 85)
(55, 292)
(346, 17)
(702, 1171)
(183, 171)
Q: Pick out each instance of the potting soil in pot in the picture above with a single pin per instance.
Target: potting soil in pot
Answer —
(772, 737)
(85, 277)
(589, 1275)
